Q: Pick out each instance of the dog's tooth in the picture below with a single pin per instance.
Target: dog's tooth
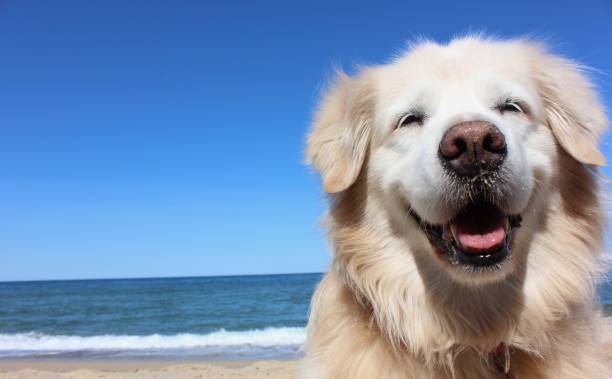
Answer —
(453, 229)
(446, 232)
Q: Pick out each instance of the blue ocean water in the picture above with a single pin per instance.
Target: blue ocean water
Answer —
(211, 317)
(237, 316)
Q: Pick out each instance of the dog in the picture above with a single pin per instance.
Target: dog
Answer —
(465, 216)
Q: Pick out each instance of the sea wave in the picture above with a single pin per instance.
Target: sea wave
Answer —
(284, 338)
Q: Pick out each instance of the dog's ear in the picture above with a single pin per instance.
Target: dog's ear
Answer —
(572, 109)
(340, 134)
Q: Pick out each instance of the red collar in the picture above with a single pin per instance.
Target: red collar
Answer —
(501, 358)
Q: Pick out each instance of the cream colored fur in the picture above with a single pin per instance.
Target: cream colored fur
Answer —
(388, 307)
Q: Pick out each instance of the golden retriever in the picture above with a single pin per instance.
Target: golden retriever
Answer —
(465, 217)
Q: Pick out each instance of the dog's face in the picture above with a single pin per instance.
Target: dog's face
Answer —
(457, 141)
(458, 146)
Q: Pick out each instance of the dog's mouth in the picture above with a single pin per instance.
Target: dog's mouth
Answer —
(478, 236)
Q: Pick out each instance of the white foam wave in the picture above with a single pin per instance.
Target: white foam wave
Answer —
(263, 338)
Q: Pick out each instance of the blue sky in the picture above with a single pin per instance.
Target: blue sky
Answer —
(165, 138)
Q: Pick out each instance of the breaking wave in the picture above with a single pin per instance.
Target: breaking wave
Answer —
(286, 340)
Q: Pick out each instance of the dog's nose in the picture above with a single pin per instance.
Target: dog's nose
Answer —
(471, 147)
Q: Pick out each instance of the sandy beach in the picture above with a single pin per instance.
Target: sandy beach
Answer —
(134, 369)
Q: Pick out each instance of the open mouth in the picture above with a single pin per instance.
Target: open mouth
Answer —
(478, 236)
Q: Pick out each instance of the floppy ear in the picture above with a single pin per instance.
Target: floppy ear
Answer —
(572, 109)
(340, 134)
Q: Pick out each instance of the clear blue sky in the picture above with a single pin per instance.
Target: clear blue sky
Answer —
(150, 138)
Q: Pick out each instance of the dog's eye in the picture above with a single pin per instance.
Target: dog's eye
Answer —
(408, 119)
(510, 106)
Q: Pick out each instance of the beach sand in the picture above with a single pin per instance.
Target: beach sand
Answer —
(145, 369)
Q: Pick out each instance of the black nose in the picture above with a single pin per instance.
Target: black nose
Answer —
(471, 147)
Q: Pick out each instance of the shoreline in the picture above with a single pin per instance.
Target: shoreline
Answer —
(120, 364)
(174, 367)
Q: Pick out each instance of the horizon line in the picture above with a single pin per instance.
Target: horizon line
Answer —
(155, 277)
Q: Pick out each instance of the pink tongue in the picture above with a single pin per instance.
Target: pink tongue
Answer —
(475, 242)
(479, 228)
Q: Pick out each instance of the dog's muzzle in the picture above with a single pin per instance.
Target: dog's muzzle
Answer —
(479, 234)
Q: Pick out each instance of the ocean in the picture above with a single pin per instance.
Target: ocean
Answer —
(233, 317)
